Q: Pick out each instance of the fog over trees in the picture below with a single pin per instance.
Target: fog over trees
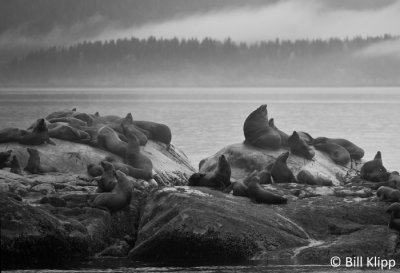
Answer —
(207, 62)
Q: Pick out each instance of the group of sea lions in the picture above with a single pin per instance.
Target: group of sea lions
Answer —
(121, 136)
(261, 132)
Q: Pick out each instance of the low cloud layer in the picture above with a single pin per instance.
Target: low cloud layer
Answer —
(383, 49)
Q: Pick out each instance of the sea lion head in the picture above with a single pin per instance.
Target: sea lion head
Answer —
(97, 114)
(40, 126)
(271, 123)
(320, 140)
(262, 110)
(378, 156)
(107, 166)
(283, 157)
(128, 119)
(374, 170)
(299, 147)
(195, 178)
(223, 165)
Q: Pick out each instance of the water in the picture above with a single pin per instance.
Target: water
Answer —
(203, 120)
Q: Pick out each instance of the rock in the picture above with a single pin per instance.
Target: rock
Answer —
(244, 159)
(55, 201)
(119, 249)
(44, 188)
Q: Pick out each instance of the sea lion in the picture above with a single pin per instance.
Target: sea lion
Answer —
(38, 136)
(299, 147)
(388, 194)
(74, 122)
(135, 158)
(394, 210)
(67, 132)
(34, 166)
(9, 135)
(306, 177)
(239, 189)
(259, 195)
(60, 114)
(118, 198)
(5, 159)
(90, 120)
(258, 133)
(219, 178)
(337, 153)
(265, 177)
(94, 170)
(355, 152)
(280, 171)
(394, 180)
(306, 137)
(128, 128)
(108, 179)
(15, 167)
(109, 118)
(284, 136)
(374, 170)
(108, 139)
(158, 131)
(131, 171)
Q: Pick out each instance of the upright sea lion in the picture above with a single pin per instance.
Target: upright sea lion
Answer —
(15, 166)
(258, 133)
(259, 195)
(280, 171)
(108, 179)
(135, 158)
(374, 170)
(354, 151)
(299, 147)
(108, 139)
(118, 199)
(284, 136)
(129, 128)
(337, 153)
(94, 170)
(38, 136)
(219, 178)
(34, 166)
(158, 131)
(388, 194)
(5, 159)
(306, 177)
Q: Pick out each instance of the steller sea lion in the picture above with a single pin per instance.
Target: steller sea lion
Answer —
(306, 177)
(259, 195)
(280, 172)
(90, 120)
(239, 189)
(157, 131)
(38, 136)
(15, 166)
(34, 166)
(284, 136)
(108, 139)
(94, 170)
(118, 198)
(388, 194)
(9, 135)
(374, 170)
(5, 159)
(354, 151)
(299, 147)
(219, 178)
(70, 133)
(306, 137)
(74, 122)
(258, 133)
(135, 158)
(131, 171)
(337, 153)
(129, 128)
(394, 210)
(265, 177)
(61, 114)
(108, 179)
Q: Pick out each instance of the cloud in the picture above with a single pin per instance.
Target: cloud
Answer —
(285, 20)
(381, 49)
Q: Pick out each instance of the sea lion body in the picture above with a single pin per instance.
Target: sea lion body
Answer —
(394, 180)
(306, 177)
(299, 147)
(94, 170)
(88, 119)
(354, 151)
(283, 135)
(131, 171)
(135, 158)
(259, 195)
(10, 135)
(15, 167)
(118, 198)
(374, 170)
(239, 189)
(34, 166)
(5, 159)
(306, 137)
(394, 209)
(219, 178)
(38, 136)
(128, 128)
(337, 153)
(108, 179)
(388, 194)
(158, 131)
(108, 139)
(74, 122)
(258, 133)
(70, 133)
(60, 114)
(280, 171)
(265, 177)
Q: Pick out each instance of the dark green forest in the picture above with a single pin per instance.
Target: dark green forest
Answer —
(207, 62)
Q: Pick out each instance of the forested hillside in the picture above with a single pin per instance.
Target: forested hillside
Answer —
(172, 62)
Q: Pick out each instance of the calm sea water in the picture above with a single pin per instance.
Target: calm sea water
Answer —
(203, 120)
